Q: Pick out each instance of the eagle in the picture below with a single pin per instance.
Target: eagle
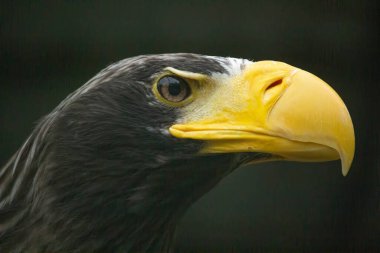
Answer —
(116, 164)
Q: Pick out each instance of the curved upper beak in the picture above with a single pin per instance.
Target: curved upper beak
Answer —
(279, 109)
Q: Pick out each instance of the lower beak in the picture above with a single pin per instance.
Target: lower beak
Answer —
(280, 110)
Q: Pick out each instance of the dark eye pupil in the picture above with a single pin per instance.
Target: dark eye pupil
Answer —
(175, 88)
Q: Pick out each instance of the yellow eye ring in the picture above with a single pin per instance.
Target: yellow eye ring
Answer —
(173, 90)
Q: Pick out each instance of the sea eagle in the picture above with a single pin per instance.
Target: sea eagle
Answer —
(118, 162)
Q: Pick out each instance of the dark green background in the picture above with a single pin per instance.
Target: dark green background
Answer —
(50, 48)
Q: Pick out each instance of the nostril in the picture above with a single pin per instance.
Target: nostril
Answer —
(274, 84)
(272, 90)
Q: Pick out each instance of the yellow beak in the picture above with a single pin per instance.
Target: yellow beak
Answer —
(275, 108)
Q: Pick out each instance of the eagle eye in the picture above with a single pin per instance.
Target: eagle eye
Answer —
(173, 89)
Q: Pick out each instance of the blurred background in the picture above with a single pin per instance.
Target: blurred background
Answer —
(50, 48)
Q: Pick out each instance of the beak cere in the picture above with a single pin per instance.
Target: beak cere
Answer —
(272, 107)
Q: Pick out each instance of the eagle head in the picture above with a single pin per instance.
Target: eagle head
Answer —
(116, 164)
